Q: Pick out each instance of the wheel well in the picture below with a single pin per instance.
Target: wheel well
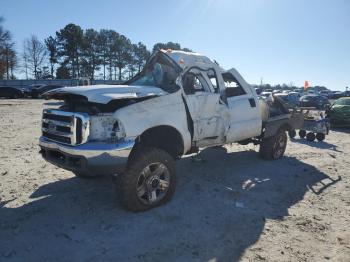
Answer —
(272, 128)
(163, 137)
(286, 127)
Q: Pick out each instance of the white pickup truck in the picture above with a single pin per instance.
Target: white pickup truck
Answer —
(179, 103)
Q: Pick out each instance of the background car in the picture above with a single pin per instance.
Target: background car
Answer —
(26, 90)
(346, 94)
(266, 94)
(326, 93)
(258, 90)
(312, 92)
(11, 92)
(317, 101)
(339, 113)
(339, 94)
(38, 91)
(335, 94)
(291, 99)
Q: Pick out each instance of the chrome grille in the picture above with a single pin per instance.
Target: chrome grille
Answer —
(65, 127)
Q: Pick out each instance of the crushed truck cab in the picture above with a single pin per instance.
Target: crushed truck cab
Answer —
(180, 102)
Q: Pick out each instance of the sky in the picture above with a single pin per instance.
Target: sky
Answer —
(276, 41)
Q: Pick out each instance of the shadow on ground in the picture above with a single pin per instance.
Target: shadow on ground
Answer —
(53, 103)
(341, 129)
(317, 144)
(218, 211)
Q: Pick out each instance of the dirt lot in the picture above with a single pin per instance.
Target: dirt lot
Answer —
(231, 206)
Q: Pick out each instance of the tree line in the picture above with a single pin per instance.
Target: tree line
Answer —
(73, 52)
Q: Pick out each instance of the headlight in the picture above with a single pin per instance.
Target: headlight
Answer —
(104, 127)
(118, 131)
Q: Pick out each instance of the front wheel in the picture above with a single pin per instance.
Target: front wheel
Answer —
(149, 180)
(273, 148)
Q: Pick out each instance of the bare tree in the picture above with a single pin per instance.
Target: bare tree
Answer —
(35, 53)
(25, 60)
(7, 53)
(12, 63)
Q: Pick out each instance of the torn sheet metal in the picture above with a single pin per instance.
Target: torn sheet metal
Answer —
(105, 93)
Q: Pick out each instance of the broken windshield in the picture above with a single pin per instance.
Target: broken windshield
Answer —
(159, 72)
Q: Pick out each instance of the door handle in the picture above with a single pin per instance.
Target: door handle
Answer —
(252, 102)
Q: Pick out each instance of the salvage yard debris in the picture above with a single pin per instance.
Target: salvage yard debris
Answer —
(48, 202)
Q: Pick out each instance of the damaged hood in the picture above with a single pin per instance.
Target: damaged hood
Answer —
(105, 93)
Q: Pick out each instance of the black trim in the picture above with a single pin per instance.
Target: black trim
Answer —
(210, 137)
(57, 138)
(252, 102)
(79, 129)
(76, 163)
(189, 118)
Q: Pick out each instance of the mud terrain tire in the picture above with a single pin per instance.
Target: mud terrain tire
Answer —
(273, 148)
(145, 165)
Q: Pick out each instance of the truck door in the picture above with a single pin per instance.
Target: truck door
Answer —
(245, 120)
(206, 108)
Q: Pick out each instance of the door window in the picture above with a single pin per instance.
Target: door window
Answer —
(233, 88)
(197, 85)
(194, 82)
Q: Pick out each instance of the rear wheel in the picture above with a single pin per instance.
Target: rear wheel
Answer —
(292, 133)
(302, 133)
(310, 136)
(320, 136)
(149, 180)
(273, 148)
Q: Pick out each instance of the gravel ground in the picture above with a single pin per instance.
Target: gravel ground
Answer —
(230, 206)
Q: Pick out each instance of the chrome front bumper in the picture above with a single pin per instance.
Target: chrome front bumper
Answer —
(92, 158)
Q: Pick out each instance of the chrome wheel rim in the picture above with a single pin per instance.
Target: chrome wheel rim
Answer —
(279, 146)
(153, 183)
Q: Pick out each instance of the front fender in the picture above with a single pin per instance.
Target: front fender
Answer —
(166, 110)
